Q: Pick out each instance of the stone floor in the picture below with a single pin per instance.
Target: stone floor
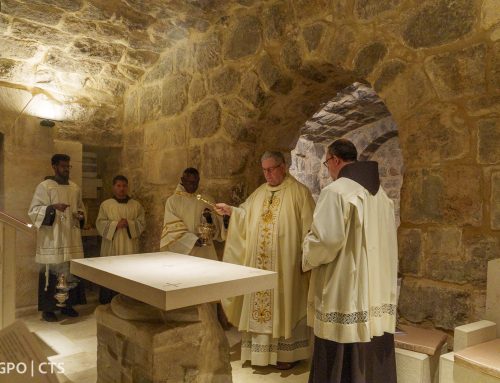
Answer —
(73, 342)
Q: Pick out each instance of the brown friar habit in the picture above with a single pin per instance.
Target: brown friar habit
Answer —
(360, 362)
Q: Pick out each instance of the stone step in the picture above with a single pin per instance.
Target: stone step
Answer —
(417, 354)
(420, 340)
(484, 357)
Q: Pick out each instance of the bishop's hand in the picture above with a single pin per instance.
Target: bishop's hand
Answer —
(223, 209)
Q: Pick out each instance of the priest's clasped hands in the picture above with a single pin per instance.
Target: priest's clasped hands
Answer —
(122, 223)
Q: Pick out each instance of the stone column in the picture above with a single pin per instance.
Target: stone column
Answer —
(186, 345)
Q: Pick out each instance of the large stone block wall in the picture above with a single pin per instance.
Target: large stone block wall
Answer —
(213, 84)
(249, 80)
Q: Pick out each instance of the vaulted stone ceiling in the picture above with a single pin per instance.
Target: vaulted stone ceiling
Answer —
(355, 106)
(83, 54)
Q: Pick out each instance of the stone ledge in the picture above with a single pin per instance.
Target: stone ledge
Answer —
(420, 340)
(473, 333)
(484, 357)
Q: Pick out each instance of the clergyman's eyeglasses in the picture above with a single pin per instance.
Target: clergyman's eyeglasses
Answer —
(326, 161)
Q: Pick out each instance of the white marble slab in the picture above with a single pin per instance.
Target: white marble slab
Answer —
(169, 280)
(493, 293)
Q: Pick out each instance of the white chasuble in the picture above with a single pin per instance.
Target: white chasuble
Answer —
(266, 232)
(61, 241)
(183, 215)
(125, 240)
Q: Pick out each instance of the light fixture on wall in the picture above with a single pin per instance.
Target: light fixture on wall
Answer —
(47, 123)
(46, 107)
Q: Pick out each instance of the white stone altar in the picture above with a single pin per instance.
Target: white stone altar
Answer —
(180, 338)
(169, 280)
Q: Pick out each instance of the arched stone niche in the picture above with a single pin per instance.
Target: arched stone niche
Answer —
(358, 114)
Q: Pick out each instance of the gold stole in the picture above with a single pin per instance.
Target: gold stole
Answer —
(261, 320)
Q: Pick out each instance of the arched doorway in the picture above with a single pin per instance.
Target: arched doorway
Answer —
(358, 114)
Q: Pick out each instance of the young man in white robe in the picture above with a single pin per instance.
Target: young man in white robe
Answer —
(352, 252)
(120, 222)
(184, 212)
(266, 232)
(58, 213)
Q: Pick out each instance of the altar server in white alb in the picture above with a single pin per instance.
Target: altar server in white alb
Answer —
(120, 222)
(184, 212)
(58, 213)
(352, 252)
(266, 232)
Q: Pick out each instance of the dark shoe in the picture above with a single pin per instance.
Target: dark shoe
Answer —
(285, 365)
(69, 311)
(49, 316)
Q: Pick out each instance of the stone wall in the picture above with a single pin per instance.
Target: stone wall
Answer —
(212, 84)
(250, 79)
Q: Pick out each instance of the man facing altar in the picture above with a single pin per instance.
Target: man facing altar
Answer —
(353, 254)
(184, 212)
(266, 232)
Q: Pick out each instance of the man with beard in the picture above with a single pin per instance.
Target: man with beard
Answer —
(58, 213)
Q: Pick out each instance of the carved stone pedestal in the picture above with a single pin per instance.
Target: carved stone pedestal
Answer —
(186, 345)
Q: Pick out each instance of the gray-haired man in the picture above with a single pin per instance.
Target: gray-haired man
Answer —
(266, 232)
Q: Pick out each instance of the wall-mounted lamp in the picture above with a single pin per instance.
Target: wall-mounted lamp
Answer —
(47, 123)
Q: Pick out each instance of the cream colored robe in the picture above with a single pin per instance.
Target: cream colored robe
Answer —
(61, 241)
(268, 234)
(180, 225)
(121, 241)
(352, 252)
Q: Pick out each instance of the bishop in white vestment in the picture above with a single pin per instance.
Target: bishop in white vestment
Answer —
(352, 252)
(266, 232)
(120, 222)
(58, 213)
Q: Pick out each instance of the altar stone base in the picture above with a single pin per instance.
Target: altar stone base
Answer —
(163, 352)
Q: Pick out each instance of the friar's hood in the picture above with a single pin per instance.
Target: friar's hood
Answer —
(364, 173)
